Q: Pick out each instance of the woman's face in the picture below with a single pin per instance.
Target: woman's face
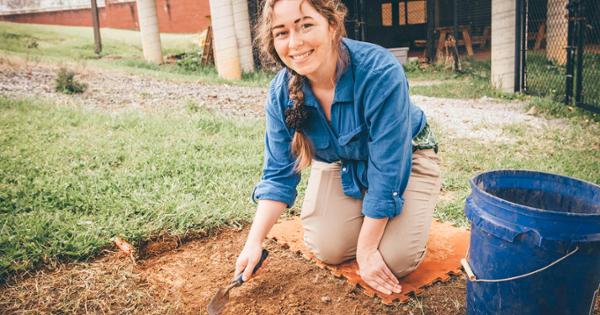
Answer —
(302, 38)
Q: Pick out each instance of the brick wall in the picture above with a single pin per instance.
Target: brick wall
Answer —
(174, 16)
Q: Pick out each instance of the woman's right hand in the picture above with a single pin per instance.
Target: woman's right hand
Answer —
(247, 260)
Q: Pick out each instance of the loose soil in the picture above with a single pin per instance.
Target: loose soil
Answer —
(171, 278)
(183, 280)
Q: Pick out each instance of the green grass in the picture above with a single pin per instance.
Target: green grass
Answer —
(71, 179)
(550, 108)
(121, 49)
(573, 151)
(473, 82)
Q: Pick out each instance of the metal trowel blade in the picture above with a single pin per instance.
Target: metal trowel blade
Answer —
(218, 302)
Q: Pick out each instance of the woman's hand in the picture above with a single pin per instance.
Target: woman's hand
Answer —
(371, 266)
(247, 260)
(266, 215)
(376, 273)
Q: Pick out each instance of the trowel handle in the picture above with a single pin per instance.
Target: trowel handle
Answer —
(263, 256)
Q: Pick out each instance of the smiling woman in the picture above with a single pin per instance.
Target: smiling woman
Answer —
(303, 40)
(342, 107)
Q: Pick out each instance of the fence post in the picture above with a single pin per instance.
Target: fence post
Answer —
(580, 37)
(518, 45)
(430, 29)
(570, 55)
(96, 23)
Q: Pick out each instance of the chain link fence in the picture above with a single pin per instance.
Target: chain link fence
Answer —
(546, 48)
(587, 28)
(563, 51)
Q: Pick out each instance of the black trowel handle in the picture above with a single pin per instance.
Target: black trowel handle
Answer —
(263, 256)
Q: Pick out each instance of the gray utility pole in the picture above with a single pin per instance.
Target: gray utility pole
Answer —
(96, 22)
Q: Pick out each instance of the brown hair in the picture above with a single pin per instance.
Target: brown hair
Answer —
(334, 11)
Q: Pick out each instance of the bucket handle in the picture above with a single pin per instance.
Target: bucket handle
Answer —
(471, 276)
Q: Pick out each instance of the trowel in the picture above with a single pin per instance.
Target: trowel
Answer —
(217, 303)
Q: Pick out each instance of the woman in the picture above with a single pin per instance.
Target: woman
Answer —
(342, 107)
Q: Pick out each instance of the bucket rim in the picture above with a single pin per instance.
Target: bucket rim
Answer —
(534, 210)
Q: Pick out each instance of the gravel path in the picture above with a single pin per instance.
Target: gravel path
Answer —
(480, 119)
(115, 90)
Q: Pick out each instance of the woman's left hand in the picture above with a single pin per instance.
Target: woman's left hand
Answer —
(376, 273)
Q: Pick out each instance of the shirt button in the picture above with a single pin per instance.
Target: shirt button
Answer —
(344, 169)
(395, 193)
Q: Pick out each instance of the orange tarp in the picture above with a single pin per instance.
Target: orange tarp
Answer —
(446, 246)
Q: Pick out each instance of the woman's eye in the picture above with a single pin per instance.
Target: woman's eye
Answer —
(280, 34)
(306, 26)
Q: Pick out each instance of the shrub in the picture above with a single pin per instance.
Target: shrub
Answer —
(66, 83)
(189, 61)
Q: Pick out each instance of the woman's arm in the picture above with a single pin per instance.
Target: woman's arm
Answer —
(266, 215)
(370, 234)
(370, 262)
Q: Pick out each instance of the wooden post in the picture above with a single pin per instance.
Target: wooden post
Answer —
(207, 46)
(96, 22)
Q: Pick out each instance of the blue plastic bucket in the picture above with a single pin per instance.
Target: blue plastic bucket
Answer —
(535, 244)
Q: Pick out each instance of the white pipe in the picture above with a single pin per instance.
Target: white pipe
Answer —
(149, 31)
(227, 58)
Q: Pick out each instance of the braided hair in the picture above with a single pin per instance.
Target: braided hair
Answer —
(295, 117)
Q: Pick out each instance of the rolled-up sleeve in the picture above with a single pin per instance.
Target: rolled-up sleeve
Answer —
(279, 179)
(390, 148)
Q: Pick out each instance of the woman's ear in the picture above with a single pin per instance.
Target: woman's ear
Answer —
(333, 32)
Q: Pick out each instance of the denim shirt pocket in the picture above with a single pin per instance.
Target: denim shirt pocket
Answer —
(320, 142)
(354, 143)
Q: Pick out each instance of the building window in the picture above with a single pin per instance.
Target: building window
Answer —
(386, 14)
(412, 12)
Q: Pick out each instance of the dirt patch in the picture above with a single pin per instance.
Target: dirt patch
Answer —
(183, 280)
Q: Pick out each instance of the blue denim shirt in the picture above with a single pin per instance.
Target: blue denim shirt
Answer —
(372, 124)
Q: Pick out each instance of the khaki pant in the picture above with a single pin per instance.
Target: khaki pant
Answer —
(332, 220)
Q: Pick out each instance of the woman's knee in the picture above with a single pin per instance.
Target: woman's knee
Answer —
(401, 263)
(331, 250)
(333, 255)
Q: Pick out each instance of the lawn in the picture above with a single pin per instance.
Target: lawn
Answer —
(71, 179)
